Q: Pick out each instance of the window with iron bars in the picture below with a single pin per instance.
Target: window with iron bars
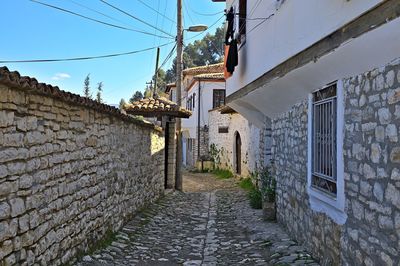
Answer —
(324, 176)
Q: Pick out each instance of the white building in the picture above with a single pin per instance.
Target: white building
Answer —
(234, 142)
(324, 77)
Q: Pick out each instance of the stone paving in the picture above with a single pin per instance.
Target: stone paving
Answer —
(210, 224)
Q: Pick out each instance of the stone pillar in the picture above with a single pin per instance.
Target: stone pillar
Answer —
(171, 153)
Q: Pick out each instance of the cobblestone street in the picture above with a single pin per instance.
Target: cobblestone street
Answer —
(210, 224)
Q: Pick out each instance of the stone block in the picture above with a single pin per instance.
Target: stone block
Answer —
(393, 96)
(390, 78)
(378, 192)
(13, 140)
(375, 153)
(5, 210)
(17, 207)
(6, 118)
(380, 133)
(5, 249)
(34, 138)
(385, 222)
(365, 189)
(368, 171)
(395, 174)
(391, 132)
(379, 83)
(395, 155)
(397, 111)
(7, 188)
(384, 116)
(386, 259)
(23, 223)
(21, 124)
(357, 209)
(3, 171)
(392, 195)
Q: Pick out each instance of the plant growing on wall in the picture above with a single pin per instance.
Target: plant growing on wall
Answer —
(215, 154)
(268, 184)
(86, 87)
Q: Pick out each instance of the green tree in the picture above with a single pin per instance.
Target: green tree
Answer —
(86, 87)
(138, 95)
(208, 50)
(122, 103)
(99, 91)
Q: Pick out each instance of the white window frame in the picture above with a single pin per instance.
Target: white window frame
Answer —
(331, 205)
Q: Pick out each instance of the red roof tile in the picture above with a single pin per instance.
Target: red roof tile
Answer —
(150, 107)
(14, 80)
(214, 68)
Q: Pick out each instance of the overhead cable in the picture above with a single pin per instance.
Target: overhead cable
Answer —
(136, 18)
(144, 3)
(81, 58)
(98, 21)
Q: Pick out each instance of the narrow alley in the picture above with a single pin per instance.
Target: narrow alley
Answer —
(211, 223)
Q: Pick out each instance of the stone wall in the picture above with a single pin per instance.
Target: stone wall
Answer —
(371, 232)
(289, 152)
(171, 155)
(69, 173)
(372, 167)
(204, 139)
(224, 143)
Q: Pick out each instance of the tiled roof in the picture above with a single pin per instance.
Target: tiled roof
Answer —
(226, 110)
(14, 80)
(150, 107)
(214, 68)
(169, 86)
(210, 76)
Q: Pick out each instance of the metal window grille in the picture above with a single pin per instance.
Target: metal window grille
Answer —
(324, 140)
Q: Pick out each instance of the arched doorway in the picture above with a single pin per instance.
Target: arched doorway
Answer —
(238, 153)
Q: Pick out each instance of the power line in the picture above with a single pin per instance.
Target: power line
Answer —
(156, 11)
(96, 20)
(97, 12)
(136, 18)
(205, 14)
(256, 26)
(187, 11)
(81, 58)
(167, 57)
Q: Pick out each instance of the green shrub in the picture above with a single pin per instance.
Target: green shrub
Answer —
(253, 193)
(268, 183)
(246, 184)
(255, 198)
(222, 174)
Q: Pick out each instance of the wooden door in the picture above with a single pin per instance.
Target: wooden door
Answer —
(238, 154)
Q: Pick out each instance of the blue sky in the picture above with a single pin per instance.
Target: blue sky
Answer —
(33, 31)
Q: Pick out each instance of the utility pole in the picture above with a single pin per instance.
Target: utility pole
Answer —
(179, 45)
(156, 73)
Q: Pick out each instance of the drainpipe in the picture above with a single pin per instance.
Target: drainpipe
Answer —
(198, 122)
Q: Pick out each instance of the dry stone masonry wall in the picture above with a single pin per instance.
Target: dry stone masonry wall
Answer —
(372, 167)
(371, 153)
(68, 175)
(289, 152)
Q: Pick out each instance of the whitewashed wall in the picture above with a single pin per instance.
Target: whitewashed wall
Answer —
(206, 104)
(294, 26)
(225, 142)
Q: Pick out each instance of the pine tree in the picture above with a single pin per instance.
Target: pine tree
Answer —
(122, 103)
(86, 87)
(99, 91)
(137, 96)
